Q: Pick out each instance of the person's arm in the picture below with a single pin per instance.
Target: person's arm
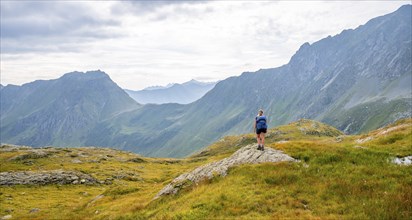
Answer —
(254, 126)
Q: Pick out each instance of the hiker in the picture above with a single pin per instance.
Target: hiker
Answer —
(260, 128)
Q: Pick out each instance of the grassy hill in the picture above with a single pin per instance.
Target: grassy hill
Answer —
(338, 176)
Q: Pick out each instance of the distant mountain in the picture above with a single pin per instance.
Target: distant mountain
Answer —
(357, 80)
(62, 111)
(173, 93)
(157, 87)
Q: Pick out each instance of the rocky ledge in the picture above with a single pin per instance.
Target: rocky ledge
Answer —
(45, 177)
(245, 155)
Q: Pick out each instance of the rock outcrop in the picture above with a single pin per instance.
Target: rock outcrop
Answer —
(45, 177)
(245, 155)
(34, 154)
(13, 148)
(407, 161)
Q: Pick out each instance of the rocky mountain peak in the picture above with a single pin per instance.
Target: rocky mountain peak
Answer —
(89, 75)
(404, 10)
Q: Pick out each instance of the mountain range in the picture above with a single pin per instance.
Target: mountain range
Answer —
(173, 93)
(357, 81)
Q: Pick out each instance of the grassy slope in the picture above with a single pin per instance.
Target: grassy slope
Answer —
(367, 116)
(337, 178)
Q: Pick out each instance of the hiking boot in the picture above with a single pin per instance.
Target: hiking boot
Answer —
(262, 148)
(259, 147)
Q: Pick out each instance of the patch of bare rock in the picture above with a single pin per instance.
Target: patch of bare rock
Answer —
(407, 161)
(45, 177)
(245, 155)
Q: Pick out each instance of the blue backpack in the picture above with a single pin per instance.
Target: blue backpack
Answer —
(261, 122)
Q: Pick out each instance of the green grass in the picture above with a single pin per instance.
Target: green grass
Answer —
(367, 116)
(337, 178)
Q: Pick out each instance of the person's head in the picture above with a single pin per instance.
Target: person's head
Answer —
(260, 112)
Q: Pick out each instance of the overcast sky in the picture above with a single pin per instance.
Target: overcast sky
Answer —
(148, 43)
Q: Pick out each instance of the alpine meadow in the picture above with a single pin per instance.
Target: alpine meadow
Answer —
(338, 143)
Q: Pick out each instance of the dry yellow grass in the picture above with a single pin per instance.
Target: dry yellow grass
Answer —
(336, 178)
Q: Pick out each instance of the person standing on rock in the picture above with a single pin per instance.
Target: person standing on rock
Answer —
(260, 127)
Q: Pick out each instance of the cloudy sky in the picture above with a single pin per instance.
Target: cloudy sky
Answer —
(145, 43)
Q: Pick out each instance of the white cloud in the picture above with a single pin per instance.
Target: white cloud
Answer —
(142, 44)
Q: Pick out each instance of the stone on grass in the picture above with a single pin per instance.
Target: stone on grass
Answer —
(245, 155)
(44, 177)
(34, 210)
(403, 160)
(6, 217)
